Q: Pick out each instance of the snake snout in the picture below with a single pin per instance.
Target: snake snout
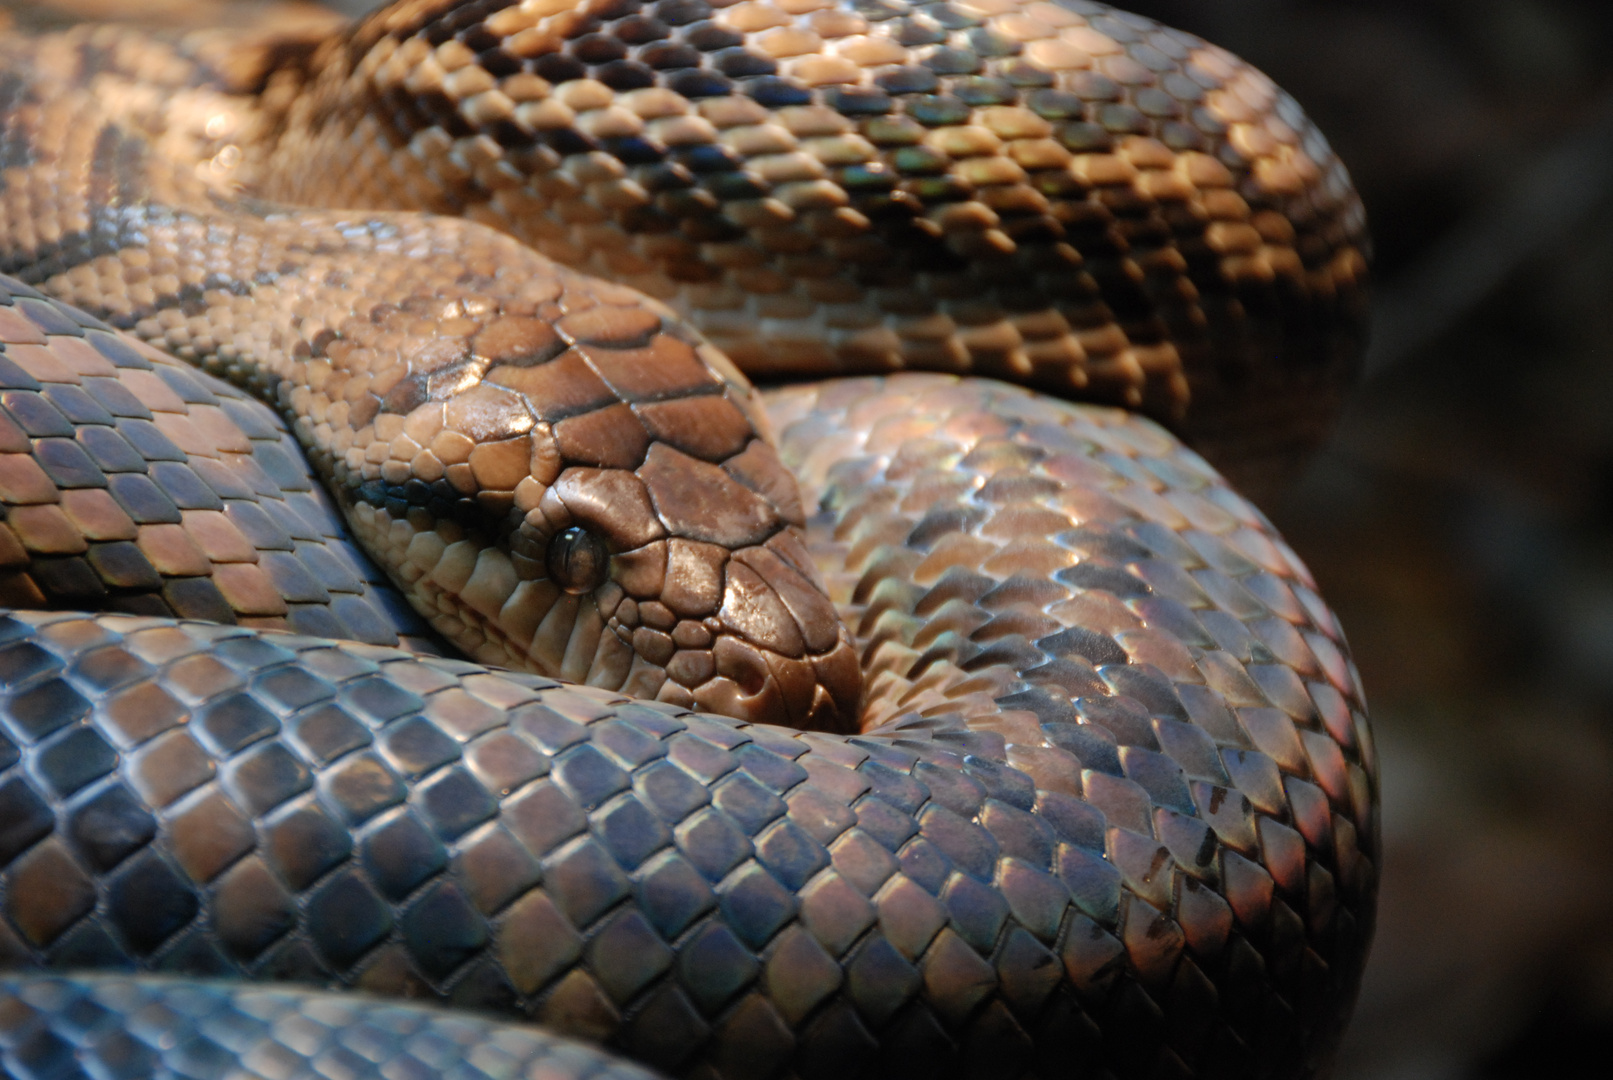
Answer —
(728, 613)
(783, 653)
(749, 633)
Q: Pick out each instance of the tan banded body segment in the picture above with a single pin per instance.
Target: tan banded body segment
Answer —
(130, 482)
(1060, 194)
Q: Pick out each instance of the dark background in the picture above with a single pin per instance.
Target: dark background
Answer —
(1461, 520)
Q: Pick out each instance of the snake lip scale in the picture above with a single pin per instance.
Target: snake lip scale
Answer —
(889, 719)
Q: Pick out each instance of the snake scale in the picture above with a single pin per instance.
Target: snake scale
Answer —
(900, 722)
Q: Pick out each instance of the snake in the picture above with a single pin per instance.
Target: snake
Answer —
(522, 553)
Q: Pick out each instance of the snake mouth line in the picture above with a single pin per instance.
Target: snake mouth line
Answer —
(769, 649)
(732, 677)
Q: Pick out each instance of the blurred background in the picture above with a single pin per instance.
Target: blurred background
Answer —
(1461, 520)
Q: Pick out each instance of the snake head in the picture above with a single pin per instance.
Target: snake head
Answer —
(690, 581)
(608, 509)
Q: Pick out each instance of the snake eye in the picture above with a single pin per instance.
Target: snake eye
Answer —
(577, 560)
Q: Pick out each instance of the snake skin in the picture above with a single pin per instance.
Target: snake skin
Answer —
(1120, 819)
(108, 1026)
(130, 482)
(1061, 194)
(468, 402)
(1107, 802)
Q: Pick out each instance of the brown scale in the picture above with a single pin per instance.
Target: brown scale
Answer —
(1078, 584)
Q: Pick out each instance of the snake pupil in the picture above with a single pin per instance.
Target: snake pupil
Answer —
(577, 560)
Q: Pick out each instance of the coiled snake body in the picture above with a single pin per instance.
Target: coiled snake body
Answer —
(956, 729)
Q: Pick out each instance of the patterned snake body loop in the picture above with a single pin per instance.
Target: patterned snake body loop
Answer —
(1075, 775)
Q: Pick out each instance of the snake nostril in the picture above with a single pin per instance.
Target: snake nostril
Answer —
(577, 560)
(741, 663)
